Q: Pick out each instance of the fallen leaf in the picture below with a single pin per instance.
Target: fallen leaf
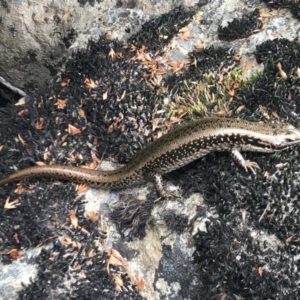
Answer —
(83, 230)
(73, 130)
(176, 66)
(15, 253)
(21, 139)
(108, 36)
(20, 102)
(19, 189)
(175, 120)
(22, 112)
(139, 283)
(93, 216)
(111, 54)
(122, 96)
(118, 281)
(82, 188)
(77, 268)
(220, 113)
(281, 165)
(73, 218)
(240, 108)
(104, 95)
(39, 124)
(91, 253)
(67, 241)
(249, 64)
(61, 104)
(198, 47)
(116, 259)
(289, 239)
(90, 83)
(66, 15)
(15, 236)
(281, 72)
(81, 113)
(65, 82)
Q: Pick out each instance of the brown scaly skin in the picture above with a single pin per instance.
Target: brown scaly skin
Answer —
(175, 149)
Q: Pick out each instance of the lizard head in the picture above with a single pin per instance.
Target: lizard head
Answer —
(286, 136)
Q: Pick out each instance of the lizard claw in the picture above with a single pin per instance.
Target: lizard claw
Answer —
(251, 165)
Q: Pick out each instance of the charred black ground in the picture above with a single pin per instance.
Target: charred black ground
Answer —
(8, 96)
(112, 124)
(293, 6)
(157, 33)
(241, 28)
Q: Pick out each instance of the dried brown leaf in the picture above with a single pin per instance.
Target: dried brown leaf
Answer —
(82, 188)
(19, 189)
(175, 120)
(83, 230)
(104, 95)
(77, 268)
(108, 36)
(281, 165)
(61, 104)
(67, 241)
(21, 140)
(111, 54)
(116, 259)
(176, 66)
(198, 47)
(240, 108)
(73, 219)
(220, 113)
(93, 216)
(81, 113)
(73, 130)
(139, 283)
(23, 112)
(39, 124)
(16, 238)
(287, 241)
(15, 253)
(90, 83)
(281, 72)
(66, 15)
(65, 82)
(20, 102)
(118, 281)
(91, 253)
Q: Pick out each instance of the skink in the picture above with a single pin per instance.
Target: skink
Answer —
(175, 149)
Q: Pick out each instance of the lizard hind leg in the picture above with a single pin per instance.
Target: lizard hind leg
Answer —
(160, 188)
